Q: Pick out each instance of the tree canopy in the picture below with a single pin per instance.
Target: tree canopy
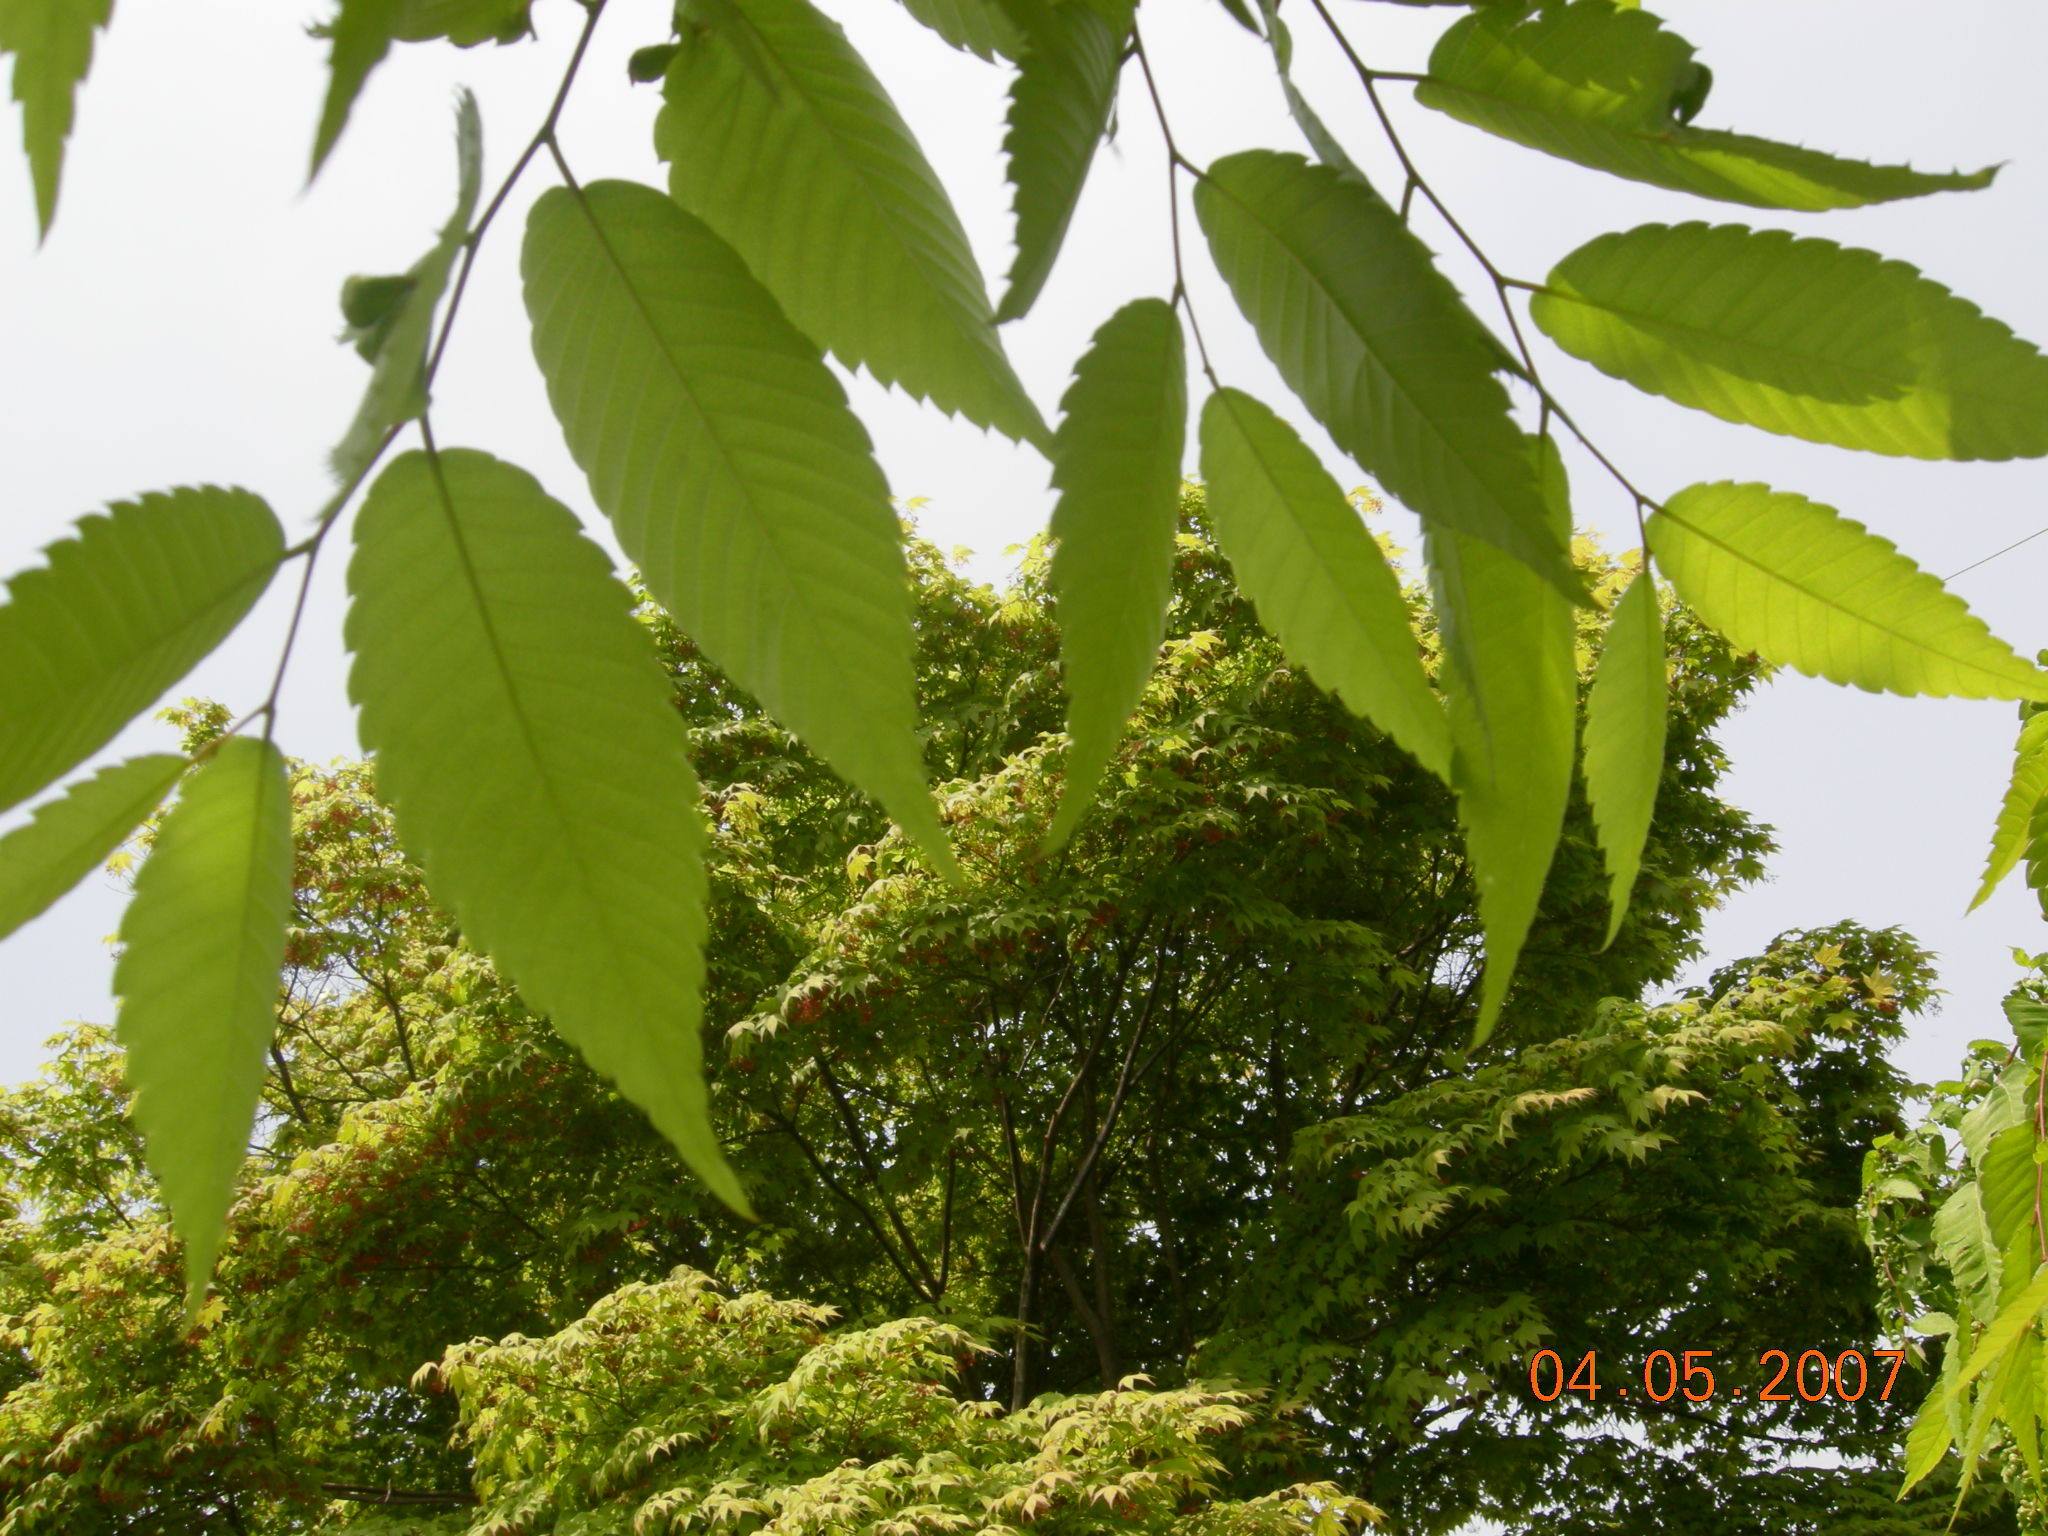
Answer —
(1149, 1182)
(1074, 1046)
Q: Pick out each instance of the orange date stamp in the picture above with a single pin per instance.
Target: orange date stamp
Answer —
(1813, 1376)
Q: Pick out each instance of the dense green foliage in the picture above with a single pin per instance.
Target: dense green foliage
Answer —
(1036, 976)
(1185, 1101)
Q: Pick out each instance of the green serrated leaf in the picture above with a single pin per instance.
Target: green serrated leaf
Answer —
(1512, 686)
(2012, 837)
(1116, 462)
(1805, 587)
(721, 447)
(2006, 1181)
(802, 163)
(1801, 337)
(1963, 1238)
(1611, 89)
(2013, 1318)
(74, 834)
(52, 42)
(1378, 345)
(395, 337)
(1318, 578)
(1624, 756)
(539, 772)
(1927, 1442)
(361, 32)
(979, 27)
(202, 941)
(1060, 106)
(123, 609)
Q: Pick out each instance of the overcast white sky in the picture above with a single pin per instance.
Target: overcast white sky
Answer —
(179, 327)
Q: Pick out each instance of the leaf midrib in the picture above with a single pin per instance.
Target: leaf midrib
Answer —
(1921, 646)
(1913, 387)
(763, 522)
(1428, 420)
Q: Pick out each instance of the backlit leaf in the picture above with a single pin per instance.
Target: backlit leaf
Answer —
(1803, 337)
(397, 390)
(1116, 462)
(1378, 345)
(74, 834)
(2006, 1182)
(123, 609)
(1963, 1238)
(1512, 686)
(51, 42)
(2012, 836)
(361, 33)
(2013, 1318)
(1318, 578)
(1060, 106)
(741, 485)
(1927, 1442)
(531, 751)
(201, 944)
(1624, 756)
(780, 138)
(1611, 89)
(980, 27)
(1805, 587)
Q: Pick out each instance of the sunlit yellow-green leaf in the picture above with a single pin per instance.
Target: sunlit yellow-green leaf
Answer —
(1610, 88)
(1351, 308)
(779, 137)
(71, 836)
(740, 484)
(531, 750)
(1512, 686)
(1318, 578)
(1802, 337)
(122, 610)
(201, 944)
(51, 42)
(1805, 587)
(1117, 466)
(1624, 755)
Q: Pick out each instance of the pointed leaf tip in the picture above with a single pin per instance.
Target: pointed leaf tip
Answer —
(1350, 306)
(1612, 89)
(853, 233)
(1511, 682)
(1316, 575)
(500, 676)
(1117, 466)
(1624, 751)
(739, 482)
(52, 45)
(1060, 106)
(202, 942)
(1801, 337)
(1805, 587)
